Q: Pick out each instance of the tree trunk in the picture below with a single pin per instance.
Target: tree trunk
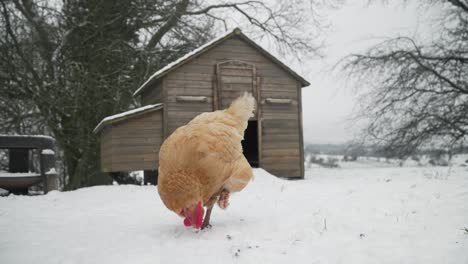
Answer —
(84, 170)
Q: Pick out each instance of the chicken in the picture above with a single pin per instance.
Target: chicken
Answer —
(201, 163)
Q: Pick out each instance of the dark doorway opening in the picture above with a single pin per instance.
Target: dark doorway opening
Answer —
(250, 143)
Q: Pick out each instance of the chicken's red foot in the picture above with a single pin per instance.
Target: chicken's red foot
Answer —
(223, 201)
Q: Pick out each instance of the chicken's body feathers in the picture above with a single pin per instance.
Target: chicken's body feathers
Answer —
(204, 157)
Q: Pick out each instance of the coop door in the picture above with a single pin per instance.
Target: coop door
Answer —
(234, 78)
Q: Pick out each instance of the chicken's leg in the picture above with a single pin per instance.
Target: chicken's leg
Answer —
(209, 205)
(206, 221)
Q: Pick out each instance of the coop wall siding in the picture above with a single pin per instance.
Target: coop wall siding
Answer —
(132, 144)
(197, 78)
(281, 131)
(153, 95)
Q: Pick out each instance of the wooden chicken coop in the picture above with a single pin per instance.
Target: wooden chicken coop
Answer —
(204, 80)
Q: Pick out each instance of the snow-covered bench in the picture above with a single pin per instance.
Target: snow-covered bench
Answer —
(19, 178)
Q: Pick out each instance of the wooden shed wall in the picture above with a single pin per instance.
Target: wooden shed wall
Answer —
(153, 94)
(281, 130)
(132, 144)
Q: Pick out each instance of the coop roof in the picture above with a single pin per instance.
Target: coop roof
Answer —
(123, 116)
(187, 57)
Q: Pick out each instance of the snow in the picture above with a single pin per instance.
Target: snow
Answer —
(27, 136)
(18, 174)
(51, 171)
(48, 152)
(345, 215)
(127, 113)
(182, 59)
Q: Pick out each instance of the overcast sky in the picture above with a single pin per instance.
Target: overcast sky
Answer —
(329, 101)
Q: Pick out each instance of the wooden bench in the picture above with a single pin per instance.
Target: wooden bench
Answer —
(18, 178)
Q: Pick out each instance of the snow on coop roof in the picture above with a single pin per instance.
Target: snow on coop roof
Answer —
(187, 57)
(124, 115)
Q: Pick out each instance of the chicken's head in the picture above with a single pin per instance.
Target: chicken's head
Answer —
(193, 215)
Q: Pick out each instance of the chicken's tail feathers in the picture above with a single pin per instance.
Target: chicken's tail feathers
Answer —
(243, 106)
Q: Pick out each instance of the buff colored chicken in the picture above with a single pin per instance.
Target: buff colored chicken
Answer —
(201, 163)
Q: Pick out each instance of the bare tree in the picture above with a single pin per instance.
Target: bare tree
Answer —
(66, 65)
(419, 93)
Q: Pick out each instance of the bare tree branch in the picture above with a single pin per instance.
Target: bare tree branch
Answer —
(418, 93)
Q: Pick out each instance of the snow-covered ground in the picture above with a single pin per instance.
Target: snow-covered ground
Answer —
(348, 215)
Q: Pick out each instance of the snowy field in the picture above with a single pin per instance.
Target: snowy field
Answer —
(356, 214)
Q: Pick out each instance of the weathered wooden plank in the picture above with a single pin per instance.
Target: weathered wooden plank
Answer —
(234, 51)
(137, 130)
(270, 133)
(280, 163)
(190, 91)
(138, 149)
(116, 162)
(129, 151)
(279, 84)
(265, 68)
(188, 108)
(283, 152)
(191, 99)
(281, 159)
(192, 67)
(134, 158)
(135, 141)
(291, 94)
(301, 135)
(280, 115)
(133, 149)
(286, 140)
(189, 84)
(183, 116)
(189, 76)
(165, 118)
(174, 125)
(125, 136)
(226, 79)
(267, 146)
(283, 135)
(153, 124)
(275, 80)
(281, 166)
(222, 54)
(290, 108)
(272, 130)
(240, 72)
(173, 100)
(279, 123)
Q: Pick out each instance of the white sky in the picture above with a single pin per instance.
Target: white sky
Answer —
(329, 101)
